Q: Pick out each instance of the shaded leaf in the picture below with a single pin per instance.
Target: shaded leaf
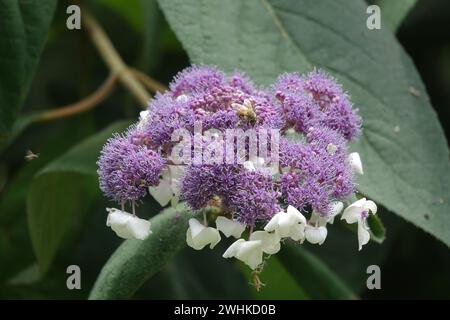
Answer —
(315, 277)
(23, 31)
(394, 12)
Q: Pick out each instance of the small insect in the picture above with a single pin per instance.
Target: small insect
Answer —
(30, 155)
(245, 111)
(256, 281)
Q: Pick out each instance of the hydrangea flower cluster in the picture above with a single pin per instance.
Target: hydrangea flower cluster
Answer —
(311, 120)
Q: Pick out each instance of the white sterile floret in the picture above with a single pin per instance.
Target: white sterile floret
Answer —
(126, 225)
(249, 252)
(334, 208)
(355, 163)
(198, 236)
(143, 118)
(229, 227)
(259, 163)
(169, 186)
(358, 212)
(182, 98)
(270, 242)
(316, 234)
(289, 224)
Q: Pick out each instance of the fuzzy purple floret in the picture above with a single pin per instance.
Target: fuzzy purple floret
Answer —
(126, 170)
(316, 99)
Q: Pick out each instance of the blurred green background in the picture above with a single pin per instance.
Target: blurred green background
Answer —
(413, 264)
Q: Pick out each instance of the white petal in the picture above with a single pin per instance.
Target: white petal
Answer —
(195, 227)
(127, 226)
(297, 232)
(299, 218)
(270, 242)
(140, 228)
(198, 236)
(285, 222)
(335, 208)
(259, 162)
(249, 166)
(117, 217)
(176, 175)
(353, 212)
(363, 234)
(162, 193)
(233, 249)
(229, 227)
(182, 98)
(250, 252)
(370, 206)
(143, 115)
(315, 235)
(273, 223)
(355, 162)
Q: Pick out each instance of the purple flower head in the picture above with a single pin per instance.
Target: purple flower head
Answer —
(196, 79)
(314, 168)
(126, 170)
(316, 100)
(316, 171)
(334, 103)
(202, 183)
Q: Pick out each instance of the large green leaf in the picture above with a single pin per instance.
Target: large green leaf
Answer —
(61, 193)
(23, 31)
(315, 277)
(403, 147)
(394, 12)
(135, 261)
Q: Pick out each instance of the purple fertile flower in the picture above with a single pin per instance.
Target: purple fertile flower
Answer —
(334, 103)
(316, 170)
(255, 198)
(127, 170)
(204, 182)
(250, 196)
(316, 100)
(196, 79)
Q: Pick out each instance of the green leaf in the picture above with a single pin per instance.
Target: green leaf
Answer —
(394, 12)
(61, 193)
(403, 147)
(315, 277)
(135, 261)
(23, 31)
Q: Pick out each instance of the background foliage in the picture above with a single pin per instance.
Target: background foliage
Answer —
(52, 213)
